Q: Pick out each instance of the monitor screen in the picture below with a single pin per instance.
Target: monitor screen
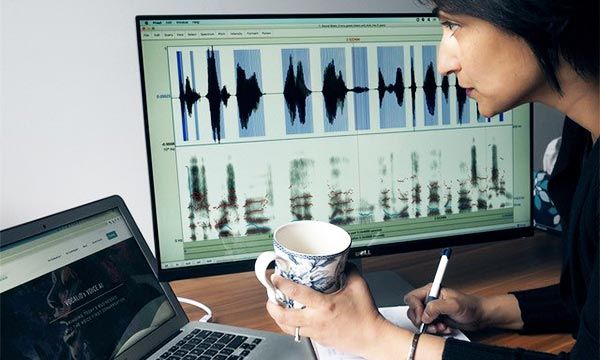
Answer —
(256, 121)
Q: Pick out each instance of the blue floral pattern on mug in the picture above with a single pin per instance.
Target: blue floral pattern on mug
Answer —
(322, 273)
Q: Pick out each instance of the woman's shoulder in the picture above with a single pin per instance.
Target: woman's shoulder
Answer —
(565, 175)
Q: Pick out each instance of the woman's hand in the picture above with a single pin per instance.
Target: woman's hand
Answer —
(462, 311)
(459, 310)
(347, 320)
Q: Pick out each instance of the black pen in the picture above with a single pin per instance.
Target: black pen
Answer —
(437, 281)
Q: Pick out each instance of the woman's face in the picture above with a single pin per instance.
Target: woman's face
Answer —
(498, 70)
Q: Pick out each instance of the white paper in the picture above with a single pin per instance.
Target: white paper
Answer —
(397, 316)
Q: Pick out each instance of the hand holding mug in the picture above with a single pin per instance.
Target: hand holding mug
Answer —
(312, 253)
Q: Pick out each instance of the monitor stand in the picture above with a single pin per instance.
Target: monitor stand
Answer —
(387, 287)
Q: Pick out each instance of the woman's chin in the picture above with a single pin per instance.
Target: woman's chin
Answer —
(487, 111)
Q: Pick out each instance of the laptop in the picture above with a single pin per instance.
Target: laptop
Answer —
(81, 284)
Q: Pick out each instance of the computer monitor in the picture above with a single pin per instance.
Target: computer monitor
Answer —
(253, 121)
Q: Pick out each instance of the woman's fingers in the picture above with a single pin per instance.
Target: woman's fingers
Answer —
(439, 307)
(415, 300)
(300, 293)
(286, 317)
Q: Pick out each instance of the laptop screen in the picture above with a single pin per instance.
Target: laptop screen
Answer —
(81, 291)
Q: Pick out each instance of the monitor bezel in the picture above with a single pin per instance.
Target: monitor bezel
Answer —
(356, 252)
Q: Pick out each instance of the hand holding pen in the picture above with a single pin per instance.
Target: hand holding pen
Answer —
(447, 308)
(434, 293)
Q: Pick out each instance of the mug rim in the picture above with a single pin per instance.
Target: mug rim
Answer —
(281, 247)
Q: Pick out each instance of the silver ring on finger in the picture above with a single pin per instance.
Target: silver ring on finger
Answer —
(297, 337)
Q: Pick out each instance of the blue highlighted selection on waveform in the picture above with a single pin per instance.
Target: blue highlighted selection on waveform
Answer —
(249, 81)
(194, 87)
(360, 79)
(217, 57)
(335, 113)
(429, 85)
(184, 126)
(463, 108)
(297, 102)
(412, 69)
(390, 61)
(446, 109)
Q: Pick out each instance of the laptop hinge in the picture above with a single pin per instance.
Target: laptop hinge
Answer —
(155, 349)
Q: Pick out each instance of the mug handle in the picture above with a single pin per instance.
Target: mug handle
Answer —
(260, 269)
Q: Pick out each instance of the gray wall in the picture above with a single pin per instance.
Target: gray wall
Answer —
(71, 112)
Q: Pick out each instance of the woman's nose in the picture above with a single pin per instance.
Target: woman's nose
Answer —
(447, 60)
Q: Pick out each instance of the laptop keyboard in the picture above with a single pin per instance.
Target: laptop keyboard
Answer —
(211, 345)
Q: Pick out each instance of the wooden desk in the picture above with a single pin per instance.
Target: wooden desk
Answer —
(485, 269)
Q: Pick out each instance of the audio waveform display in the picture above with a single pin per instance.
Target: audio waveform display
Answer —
(434, 91)
(333, 63)
(248, 93)
(296, 91)
(429, 85)
(390, 62)
(402, 78)
(445, 101)
(413, 86)
(217, 96)
(463, 105)
(361, 80)
(189, 97)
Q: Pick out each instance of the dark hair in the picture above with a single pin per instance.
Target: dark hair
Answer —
(551, 28)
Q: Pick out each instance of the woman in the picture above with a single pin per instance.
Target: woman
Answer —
(505, 53)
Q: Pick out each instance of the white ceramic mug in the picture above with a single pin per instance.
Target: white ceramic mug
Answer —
(311, 253)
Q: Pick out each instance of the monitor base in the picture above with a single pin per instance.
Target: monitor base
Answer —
(387, 287)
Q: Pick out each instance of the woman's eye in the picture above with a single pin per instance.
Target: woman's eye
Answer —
(450, 26)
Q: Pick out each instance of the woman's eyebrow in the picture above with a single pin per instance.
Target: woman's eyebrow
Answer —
(441, 14)
(444, 16)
